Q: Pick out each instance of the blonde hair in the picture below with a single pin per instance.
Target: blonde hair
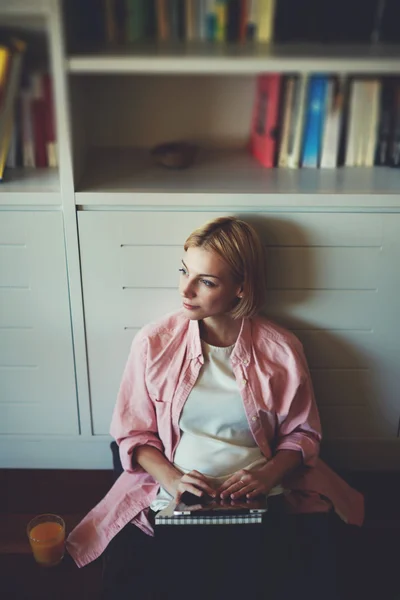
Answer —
(237, 243)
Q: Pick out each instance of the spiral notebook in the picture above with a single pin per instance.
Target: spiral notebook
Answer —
(240, 514)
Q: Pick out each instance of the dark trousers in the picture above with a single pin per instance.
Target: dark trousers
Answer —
(287, 557)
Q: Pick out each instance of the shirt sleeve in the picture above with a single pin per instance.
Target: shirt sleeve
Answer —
(299, 423)
(134, 421)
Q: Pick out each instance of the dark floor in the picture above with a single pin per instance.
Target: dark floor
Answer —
(72, 493)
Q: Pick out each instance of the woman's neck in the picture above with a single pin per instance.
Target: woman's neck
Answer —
(220, 331)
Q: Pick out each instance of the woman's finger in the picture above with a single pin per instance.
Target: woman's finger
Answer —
(199, 483)
(255, 493)
(188, 487)
(235, 487)
(244, 491)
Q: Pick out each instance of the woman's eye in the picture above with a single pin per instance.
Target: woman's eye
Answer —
(208, 283)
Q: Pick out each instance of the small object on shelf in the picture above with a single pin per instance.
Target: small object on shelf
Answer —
(174, 155)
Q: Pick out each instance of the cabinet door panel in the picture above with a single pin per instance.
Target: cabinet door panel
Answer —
(37, 378)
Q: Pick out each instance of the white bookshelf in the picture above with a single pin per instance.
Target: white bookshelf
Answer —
(116, 209)
(31, 187)
(229, 178)
(220, 59)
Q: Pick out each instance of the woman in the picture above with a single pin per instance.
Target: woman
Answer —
(218, 401)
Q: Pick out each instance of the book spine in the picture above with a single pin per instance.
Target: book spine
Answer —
(314, 122)
(252, 22)
(51, 140)
(110, 21)
(190, 20)
(385, 124)
(7, 112)
(28, 145)
(211, 20)
(201, 20)
(11, 161)
(298, 119)
(333, 123)
(265, 119)
(221, 20)
(233, 20)
(287, 117)
(266, 12)
(374, 93)
(163, 29)
(38, 109)
(352, 125)
(395, 143)
(243, 18)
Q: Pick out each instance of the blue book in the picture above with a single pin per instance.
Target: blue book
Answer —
(315, 117)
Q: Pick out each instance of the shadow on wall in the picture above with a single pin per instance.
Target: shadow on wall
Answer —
(316, 292)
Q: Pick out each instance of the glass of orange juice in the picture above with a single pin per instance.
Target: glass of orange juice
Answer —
(46, 535)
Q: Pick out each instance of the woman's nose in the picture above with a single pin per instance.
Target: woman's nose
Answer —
(187, 289)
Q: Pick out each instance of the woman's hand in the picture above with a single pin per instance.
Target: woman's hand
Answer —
(247, 483)
(193, 482)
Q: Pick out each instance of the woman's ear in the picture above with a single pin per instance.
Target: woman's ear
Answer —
(239, 293)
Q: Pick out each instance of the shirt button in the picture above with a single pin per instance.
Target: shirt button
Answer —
(246, 362)
(244, 381)
(254, 418)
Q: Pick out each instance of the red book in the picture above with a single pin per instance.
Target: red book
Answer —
(244, 9)
(264, 131)
(38, 108)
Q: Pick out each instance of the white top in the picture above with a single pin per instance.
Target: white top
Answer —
(216, 438)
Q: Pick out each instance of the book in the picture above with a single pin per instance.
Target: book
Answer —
(190, 20)
(373, 93)
(289, 87)
(297, 121)
(252, 20)
(50, 126)
(5, 56)
(353, 128)
(134, 20)
(243, 19)
(17, 48)
(211, 20)
(163, 27)
(264, 131)
(265, 21)
(385, 123)
(28, 144)
(233, 21)
(394, 156)
(315, 114)
(110, 21)
(335, 95)
(221, 12)
(201, 20)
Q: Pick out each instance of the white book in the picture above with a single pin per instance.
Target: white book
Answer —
(297, 126)
(352, 126)
(333, 123)
(374, 93)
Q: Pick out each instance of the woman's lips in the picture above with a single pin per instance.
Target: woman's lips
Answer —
(189, 306)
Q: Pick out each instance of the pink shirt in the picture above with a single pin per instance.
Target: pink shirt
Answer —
(273, 378)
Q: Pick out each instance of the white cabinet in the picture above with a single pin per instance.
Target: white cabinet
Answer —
(332, 279)
(37, 379)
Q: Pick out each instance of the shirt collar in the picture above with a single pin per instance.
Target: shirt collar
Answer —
(241, 351)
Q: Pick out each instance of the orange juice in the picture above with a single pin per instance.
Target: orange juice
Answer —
(46, 536)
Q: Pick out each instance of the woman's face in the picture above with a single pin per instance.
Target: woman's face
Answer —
(206, 284)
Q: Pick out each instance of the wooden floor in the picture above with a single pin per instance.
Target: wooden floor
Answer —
(72, 494)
